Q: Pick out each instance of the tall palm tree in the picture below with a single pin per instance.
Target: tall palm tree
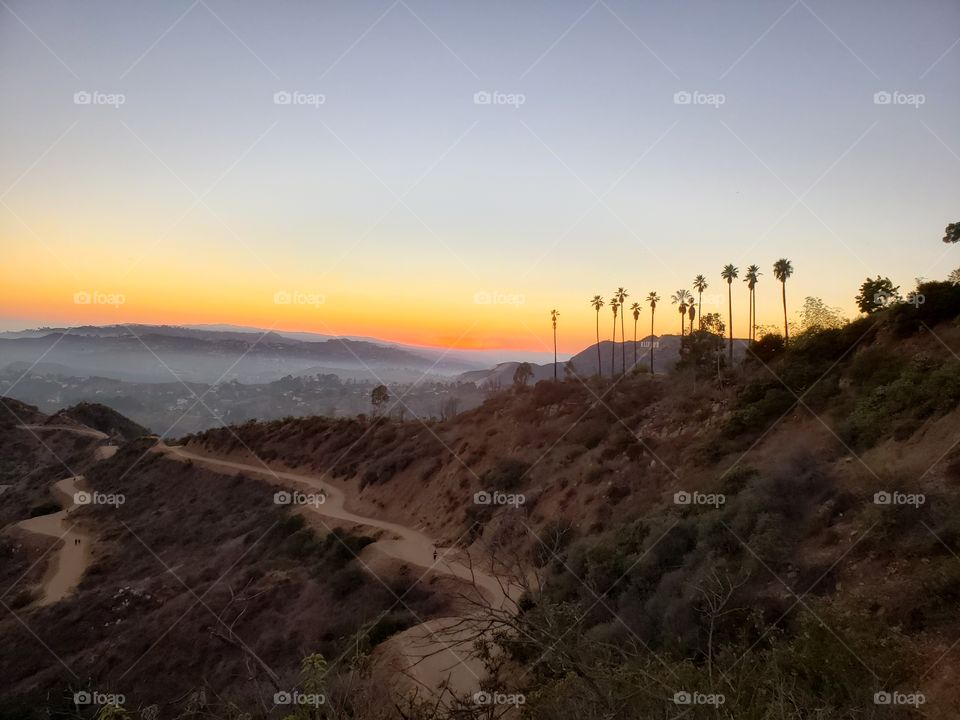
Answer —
(653, 299)
(621, 295)
(683, 298)
(615, 306)
(597, 303)
(554, 314)
(730, 273)
(636, 316)
(699, 284)
(783, 269)
(751, 279)
(692, 312)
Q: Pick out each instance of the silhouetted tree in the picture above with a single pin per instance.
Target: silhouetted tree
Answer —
(751, 279)
(699, 284)
(597, 303)
(782, 270)
(554, 314)
(683, 299)
(952, 233)
(636, 316)
(621, 296)
(522, 375)
(379, 397)
(653, 299)
(615, 306)
(730, 273)
(876, 293)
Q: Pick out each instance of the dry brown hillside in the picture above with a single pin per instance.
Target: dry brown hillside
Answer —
(797, 444)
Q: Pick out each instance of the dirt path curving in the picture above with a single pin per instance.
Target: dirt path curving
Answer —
(79, 430)
(73, 556)
(433, 653)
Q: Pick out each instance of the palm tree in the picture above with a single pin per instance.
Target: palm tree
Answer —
(682, 298)
(597, 303)
(636, 316)
(699, 284)
(782, 269)
(621, 295)
(692, 312)
(730, 273)
(615, 306)
(554, 314)
(653, 299)
(751, 279)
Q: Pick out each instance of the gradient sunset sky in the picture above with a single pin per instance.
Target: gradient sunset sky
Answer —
(401, 207)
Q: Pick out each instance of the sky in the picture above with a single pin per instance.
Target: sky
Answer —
(445, 173)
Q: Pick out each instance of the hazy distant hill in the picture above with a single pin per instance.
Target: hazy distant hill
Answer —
(149, 353)
(665, 355)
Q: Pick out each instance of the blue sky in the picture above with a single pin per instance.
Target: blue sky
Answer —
(399, 190)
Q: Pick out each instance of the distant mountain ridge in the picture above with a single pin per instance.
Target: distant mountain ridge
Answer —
(154, 353)
(666, 353)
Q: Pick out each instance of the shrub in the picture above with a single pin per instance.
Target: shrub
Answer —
(507, 474)
(941, 302)
(767, 348)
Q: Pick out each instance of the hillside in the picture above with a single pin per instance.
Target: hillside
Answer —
(809, 559)
(776, 541)
(102, 418)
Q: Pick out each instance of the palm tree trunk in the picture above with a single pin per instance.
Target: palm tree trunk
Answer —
(730, 316)
(623, 346)
(786, 329)
(599, 360)
(700, 309)
(653, 312)
(554, 354)
(613, 350)
(635, 342)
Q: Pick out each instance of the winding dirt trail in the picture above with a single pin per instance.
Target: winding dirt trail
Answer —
(73, 556)
(79, 430)
(419, 652)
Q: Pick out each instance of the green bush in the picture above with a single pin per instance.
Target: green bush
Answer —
(506, 475)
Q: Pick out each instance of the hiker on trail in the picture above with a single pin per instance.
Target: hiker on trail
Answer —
(434, 554)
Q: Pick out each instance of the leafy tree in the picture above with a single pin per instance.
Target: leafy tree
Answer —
(653, 299)
(954, 277)
(701, 350)
(712, 322)
(952, 233)
(730, 273)
(597, 303)
(875, 294)
(782, 270)
(817, 315)
(769, 346)
(522, 375)
(379, 397)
